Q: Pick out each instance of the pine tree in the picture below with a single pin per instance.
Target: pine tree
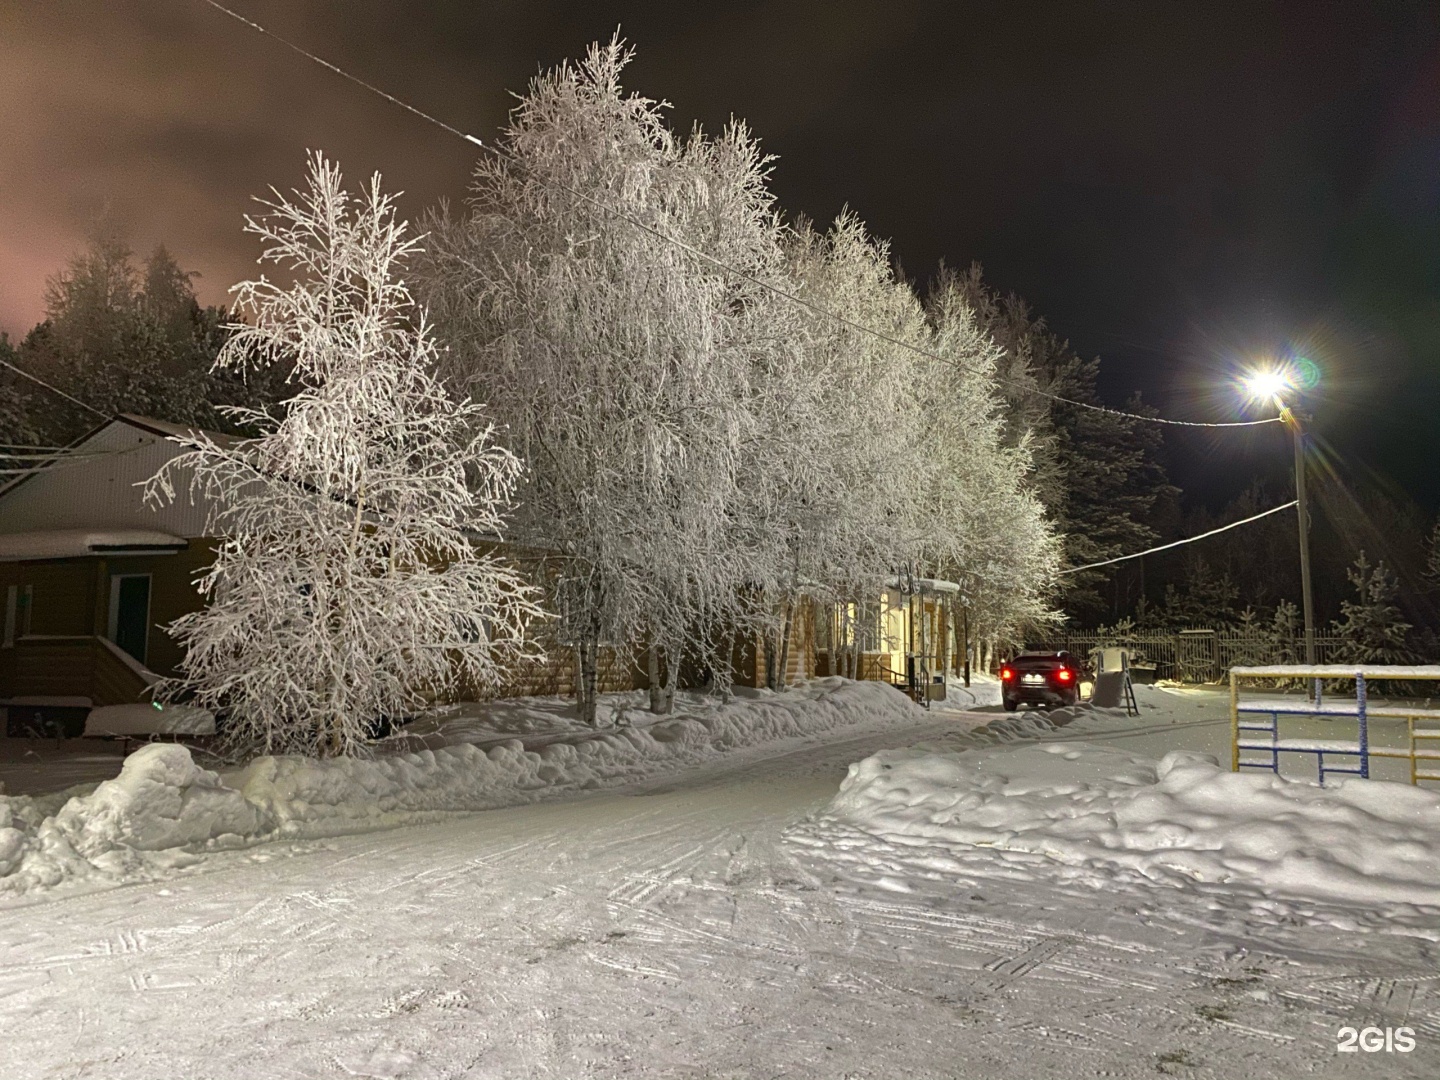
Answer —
(16, 427)
(1371, 627)
(1432, 558)
(348, 586)
(123, 337)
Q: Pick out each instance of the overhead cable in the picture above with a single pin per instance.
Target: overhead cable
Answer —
(54, 389)
(1188, 540)
(727, 268)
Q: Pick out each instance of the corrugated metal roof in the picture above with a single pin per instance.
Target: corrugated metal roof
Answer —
(102, 489)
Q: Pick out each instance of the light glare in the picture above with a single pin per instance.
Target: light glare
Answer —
(1267, 385)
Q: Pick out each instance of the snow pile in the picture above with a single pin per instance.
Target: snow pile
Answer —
(162, 801)
(1102, 813)
(311, 798)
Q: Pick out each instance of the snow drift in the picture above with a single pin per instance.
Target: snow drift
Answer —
(163, 802)
(1103, 814)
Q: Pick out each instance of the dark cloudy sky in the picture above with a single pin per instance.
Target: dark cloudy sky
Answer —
(1175, 186)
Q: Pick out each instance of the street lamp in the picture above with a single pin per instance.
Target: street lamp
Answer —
(1268, 385)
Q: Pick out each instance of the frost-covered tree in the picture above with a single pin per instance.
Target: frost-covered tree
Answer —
(983, 523)
(906, 468)
(351, 583)
(1371, 627)
(837, 430)
(1097, 473)
(619, 359)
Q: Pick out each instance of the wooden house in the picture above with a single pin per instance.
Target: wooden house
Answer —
(91, 574)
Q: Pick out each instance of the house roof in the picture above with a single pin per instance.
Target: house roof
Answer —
(161, 428)
(96, 483)
(77, 543)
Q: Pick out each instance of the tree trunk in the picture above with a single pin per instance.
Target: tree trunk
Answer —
(965, 641)
(672, 679)
(585, 696)
(657, 691)
(783, 666)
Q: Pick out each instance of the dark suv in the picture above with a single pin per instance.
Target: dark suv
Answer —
(1046, 679)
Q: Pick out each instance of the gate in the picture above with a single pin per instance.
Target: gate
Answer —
(1197, 656)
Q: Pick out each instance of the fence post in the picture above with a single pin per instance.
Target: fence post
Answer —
(1364, 725)
(1234, 722)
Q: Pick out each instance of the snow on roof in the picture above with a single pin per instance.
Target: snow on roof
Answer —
(924, 584)
(177, 431)
(79, 543)
(143, 718)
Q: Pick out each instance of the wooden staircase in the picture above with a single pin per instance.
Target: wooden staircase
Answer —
(82, 666)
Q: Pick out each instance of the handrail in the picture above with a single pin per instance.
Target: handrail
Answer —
(1361, 673)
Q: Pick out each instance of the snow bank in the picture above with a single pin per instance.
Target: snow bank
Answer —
(162, 801)
(1104, 813)
(310, 798)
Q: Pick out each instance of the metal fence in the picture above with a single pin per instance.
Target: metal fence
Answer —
(1199, 656)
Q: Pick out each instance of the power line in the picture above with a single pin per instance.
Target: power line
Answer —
(1189, 540)
(54, 389)
(734, 271)
(344, 74)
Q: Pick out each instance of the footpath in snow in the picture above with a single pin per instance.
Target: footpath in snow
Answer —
(164, 811)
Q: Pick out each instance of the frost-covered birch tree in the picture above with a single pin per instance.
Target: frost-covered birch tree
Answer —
(913, 474)
(839, 428)
(983, 523)
(354, 579)
(619, 358)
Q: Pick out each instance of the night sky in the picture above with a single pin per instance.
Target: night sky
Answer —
(1176, 187)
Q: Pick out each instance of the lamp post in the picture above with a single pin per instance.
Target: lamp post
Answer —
(1295, 422)
(1269, 385)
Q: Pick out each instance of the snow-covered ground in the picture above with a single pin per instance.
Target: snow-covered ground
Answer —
(735, 914)
(164, 809)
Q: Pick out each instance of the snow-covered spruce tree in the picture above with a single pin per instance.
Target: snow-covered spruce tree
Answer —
(1371, 626)
(619, 359)
(348, 586)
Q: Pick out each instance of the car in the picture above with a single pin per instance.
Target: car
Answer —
(1044, 679)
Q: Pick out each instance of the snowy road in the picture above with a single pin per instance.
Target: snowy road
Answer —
(681, 929)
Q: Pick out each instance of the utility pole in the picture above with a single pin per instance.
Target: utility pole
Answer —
(1295, 422)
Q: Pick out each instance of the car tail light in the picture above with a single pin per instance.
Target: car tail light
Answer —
(1006, 674)
(1065, 675)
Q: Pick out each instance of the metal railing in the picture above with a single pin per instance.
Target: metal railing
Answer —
(1251, 734)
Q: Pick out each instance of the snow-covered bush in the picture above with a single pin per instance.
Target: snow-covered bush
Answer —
(351, 582)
